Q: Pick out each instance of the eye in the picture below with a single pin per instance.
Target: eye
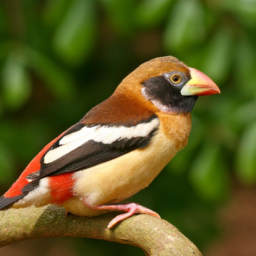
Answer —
(175, 78)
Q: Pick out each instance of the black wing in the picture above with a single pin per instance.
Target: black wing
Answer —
(93, 152)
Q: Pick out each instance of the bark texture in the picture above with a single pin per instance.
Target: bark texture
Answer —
(155, 236)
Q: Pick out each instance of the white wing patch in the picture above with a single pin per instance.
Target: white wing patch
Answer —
(103, 134)
(76, 135)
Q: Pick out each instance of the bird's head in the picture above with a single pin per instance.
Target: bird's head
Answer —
(169, 84)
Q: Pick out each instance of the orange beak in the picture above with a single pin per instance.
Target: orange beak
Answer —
(199, 85)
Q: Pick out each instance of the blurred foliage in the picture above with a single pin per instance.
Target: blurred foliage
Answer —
(59, 58)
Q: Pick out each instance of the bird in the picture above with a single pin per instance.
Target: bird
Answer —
(118, 147)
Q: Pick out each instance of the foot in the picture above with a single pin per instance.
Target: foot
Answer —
(130, 210)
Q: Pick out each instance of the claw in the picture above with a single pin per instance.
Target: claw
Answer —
(130, 210)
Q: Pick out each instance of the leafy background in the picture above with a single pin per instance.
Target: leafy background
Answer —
(59, 58)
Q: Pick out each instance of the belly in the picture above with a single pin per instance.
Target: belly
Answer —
(120, 178)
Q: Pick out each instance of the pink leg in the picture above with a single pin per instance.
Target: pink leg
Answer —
(130, 210)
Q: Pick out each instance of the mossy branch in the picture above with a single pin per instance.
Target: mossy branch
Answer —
(154, 236)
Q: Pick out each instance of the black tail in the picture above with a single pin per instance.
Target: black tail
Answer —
(6, 201)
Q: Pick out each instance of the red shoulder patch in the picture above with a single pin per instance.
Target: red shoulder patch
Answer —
(61, 187)
(33, 166)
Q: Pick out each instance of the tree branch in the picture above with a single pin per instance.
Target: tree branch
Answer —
(154, 236)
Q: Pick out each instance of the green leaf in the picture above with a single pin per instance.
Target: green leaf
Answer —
(209, 174)
(74, 39)
(58, 80)
(6, 165)
(218, 56)
(245, 63)
(244, 11)
(3, 19)
(186, 25)
(243, 114)
(121, 15)
(150, 13)
(16, 87)
(246, 156)
(55, 10)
